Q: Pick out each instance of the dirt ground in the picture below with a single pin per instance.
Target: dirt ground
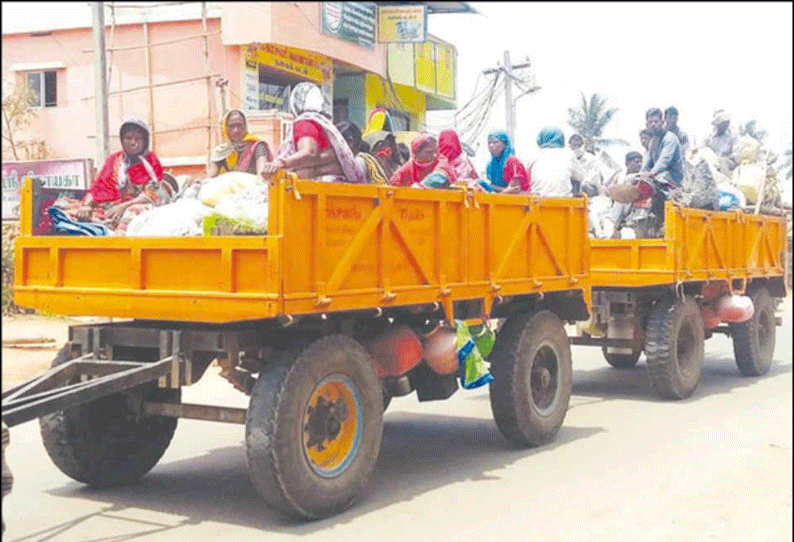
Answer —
(21, 364)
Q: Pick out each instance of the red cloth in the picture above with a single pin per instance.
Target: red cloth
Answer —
(312, 129)
(412, 172)
(449, 144)
(514, 168)
(106, 186)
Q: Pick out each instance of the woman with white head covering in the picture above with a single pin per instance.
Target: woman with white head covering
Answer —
(313, 147)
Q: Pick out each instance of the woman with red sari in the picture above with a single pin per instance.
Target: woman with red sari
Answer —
(130, 182)
(426, 169)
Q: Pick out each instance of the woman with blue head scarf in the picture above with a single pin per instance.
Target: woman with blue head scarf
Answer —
(505, 172)
(556, 170)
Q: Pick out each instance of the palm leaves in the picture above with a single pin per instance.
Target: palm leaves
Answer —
(785, 167)
(753, 128)
(590, 118)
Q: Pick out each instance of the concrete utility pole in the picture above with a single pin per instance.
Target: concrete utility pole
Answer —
(100, 84)
(510, 115)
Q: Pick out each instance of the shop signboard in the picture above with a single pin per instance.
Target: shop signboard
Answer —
(425, 67)
(402, 24)
(304, 64)
(58, 174)
(350, 21)
(445, 71)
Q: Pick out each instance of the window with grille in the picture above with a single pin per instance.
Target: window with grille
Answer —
(43, 86)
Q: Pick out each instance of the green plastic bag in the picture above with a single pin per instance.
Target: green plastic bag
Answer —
(473, 372)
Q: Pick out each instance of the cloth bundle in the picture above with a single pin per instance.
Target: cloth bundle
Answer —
(471, 352)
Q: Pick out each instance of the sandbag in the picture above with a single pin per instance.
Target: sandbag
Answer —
(745, 149)
(748, 179)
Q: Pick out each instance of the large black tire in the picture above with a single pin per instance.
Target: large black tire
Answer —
(754, 340)
(621, 361)
(314, 427)
(103, 443)
(531, 366)
(674, 346)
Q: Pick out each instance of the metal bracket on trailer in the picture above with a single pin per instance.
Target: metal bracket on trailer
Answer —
(69, 385)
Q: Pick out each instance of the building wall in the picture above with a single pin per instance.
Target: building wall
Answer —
(379, 94)
(180, 111)
(352, 87)
(294, 24)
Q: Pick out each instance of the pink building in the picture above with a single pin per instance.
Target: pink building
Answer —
(255, 53)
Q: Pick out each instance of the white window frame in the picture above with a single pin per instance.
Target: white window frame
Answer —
(42, 103)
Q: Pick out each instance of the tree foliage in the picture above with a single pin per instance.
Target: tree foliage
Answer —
(18, 113)
(590, 119)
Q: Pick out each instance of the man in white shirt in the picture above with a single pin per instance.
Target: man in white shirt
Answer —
(592, 174)
(555, 172)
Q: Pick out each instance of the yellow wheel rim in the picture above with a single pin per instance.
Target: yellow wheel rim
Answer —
(332, 426)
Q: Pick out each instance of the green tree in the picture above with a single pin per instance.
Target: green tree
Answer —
(591, 117)
(753, 128)
(17, 115)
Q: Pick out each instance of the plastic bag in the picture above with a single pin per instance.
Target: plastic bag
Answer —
(179, 219)
(233, 182)
(748, 179)
(730, 197)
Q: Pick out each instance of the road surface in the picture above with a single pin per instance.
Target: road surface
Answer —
(625, 466)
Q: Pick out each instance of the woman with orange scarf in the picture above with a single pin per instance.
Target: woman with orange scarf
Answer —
(241, 151)
(426, 169)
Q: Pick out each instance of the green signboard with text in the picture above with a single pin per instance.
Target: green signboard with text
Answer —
(350, 21)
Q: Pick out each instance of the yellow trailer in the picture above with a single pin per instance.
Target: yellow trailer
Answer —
(662, 295)
(297, 318)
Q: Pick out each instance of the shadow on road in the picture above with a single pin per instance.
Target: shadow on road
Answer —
(720, 375)
(419, 453)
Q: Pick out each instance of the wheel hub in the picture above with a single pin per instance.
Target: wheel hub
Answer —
(332, 426)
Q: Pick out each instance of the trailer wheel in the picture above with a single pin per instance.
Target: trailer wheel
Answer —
(531, 366)
(754, 340)
(103, 443)
(314, 427)
(622, 361)
(674, 346)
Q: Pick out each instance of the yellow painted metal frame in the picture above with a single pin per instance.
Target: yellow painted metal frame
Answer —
(698, 246)
(330, 247)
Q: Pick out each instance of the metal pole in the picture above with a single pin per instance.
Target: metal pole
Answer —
(509, 113)
(100, 83)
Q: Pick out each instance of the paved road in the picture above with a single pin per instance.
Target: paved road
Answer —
(625, 466)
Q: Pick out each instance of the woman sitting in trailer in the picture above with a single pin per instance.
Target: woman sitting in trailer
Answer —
(241, 150)
(427, 168)
(313, 147)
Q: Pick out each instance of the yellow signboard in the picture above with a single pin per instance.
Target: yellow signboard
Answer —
(425, 67)
(303, 64)
(402, 24)
(445, 71)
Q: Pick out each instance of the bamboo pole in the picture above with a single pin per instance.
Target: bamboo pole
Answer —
(149, 80)
(209, 83)
(157, 43)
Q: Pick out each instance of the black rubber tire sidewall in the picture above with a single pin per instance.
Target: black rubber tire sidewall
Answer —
(753, 358)
(100, 443)
(514, 351)
(665, 322)
(274, 435)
